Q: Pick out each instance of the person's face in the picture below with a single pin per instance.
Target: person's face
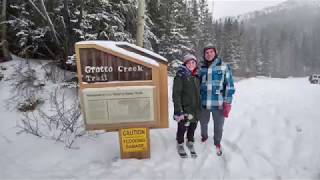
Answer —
(191, 65)
(209, 54)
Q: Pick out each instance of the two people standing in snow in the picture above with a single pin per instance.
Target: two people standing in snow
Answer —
(198, 94)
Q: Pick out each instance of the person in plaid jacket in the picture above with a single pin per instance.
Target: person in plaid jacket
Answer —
(216, 91)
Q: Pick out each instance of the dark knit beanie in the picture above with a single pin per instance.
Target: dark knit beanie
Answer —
(209, 46)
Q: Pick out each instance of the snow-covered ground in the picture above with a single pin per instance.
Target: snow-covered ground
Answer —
(272, 132)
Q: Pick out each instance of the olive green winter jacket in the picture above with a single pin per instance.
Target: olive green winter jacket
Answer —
(186, 93)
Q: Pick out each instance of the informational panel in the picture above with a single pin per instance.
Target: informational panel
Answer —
(123, 104)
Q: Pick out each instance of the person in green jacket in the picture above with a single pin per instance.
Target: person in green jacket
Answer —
(186, 100)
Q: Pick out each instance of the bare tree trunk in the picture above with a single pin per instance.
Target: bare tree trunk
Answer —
(81, 14)
(4, 42)
(43, 7)
(140, 23)
(44, 14)
(37, 9)
(67, 32)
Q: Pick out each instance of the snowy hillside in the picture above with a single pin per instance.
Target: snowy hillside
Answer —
(282, 7)
(272, 132)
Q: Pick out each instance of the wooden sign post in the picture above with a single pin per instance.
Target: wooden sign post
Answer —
(123, 88)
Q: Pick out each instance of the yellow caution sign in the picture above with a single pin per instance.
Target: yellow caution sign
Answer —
(134, 139)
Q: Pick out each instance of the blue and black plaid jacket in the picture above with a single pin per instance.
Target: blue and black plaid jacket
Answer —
(216, 85)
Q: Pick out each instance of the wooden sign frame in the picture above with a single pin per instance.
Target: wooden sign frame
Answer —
(159, 81)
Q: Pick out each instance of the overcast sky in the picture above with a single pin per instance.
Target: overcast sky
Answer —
(223, 8)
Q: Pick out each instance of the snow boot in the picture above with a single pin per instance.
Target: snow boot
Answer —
(190, 146)
(218, 149)
(204, 138)
(182, 153)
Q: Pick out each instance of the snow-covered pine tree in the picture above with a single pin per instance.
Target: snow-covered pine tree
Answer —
(218, 31)
(72, 21)
(153, 12)
(206, 29)
(266, 56)
(26, 30)
(259, 61)
(193, 24)
(174, 40)
(235, 46)
(225, 51)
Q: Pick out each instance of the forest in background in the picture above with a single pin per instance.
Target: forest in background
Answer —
(277, 43)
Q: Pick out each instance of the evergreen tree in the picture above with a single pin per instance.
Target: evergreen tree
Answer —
(205, 34)
(153, 11)
(174, 40)
(62, 23)
(265, 51)
(259, 61)
(235, 46)
(225, 50)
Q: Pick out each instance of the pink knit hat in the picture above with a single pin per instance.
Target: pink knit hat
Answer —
(189, 57)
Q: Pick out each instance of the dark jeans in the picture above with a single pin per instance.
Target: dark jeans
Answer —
(182, 129)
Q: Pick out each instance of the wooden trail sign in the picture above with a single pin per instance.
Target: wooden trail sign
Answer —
(122, 86)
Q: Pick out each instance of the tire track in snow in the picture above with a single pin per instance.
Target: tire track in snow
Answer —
(226, 170)
(235, 148)
(239, 136)
(253, 122)
(165, 158)
(296, 145)
(202, 158)
(207, 154)
(163, 140)
(272, 165)
(224, 164)
(6, 138)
